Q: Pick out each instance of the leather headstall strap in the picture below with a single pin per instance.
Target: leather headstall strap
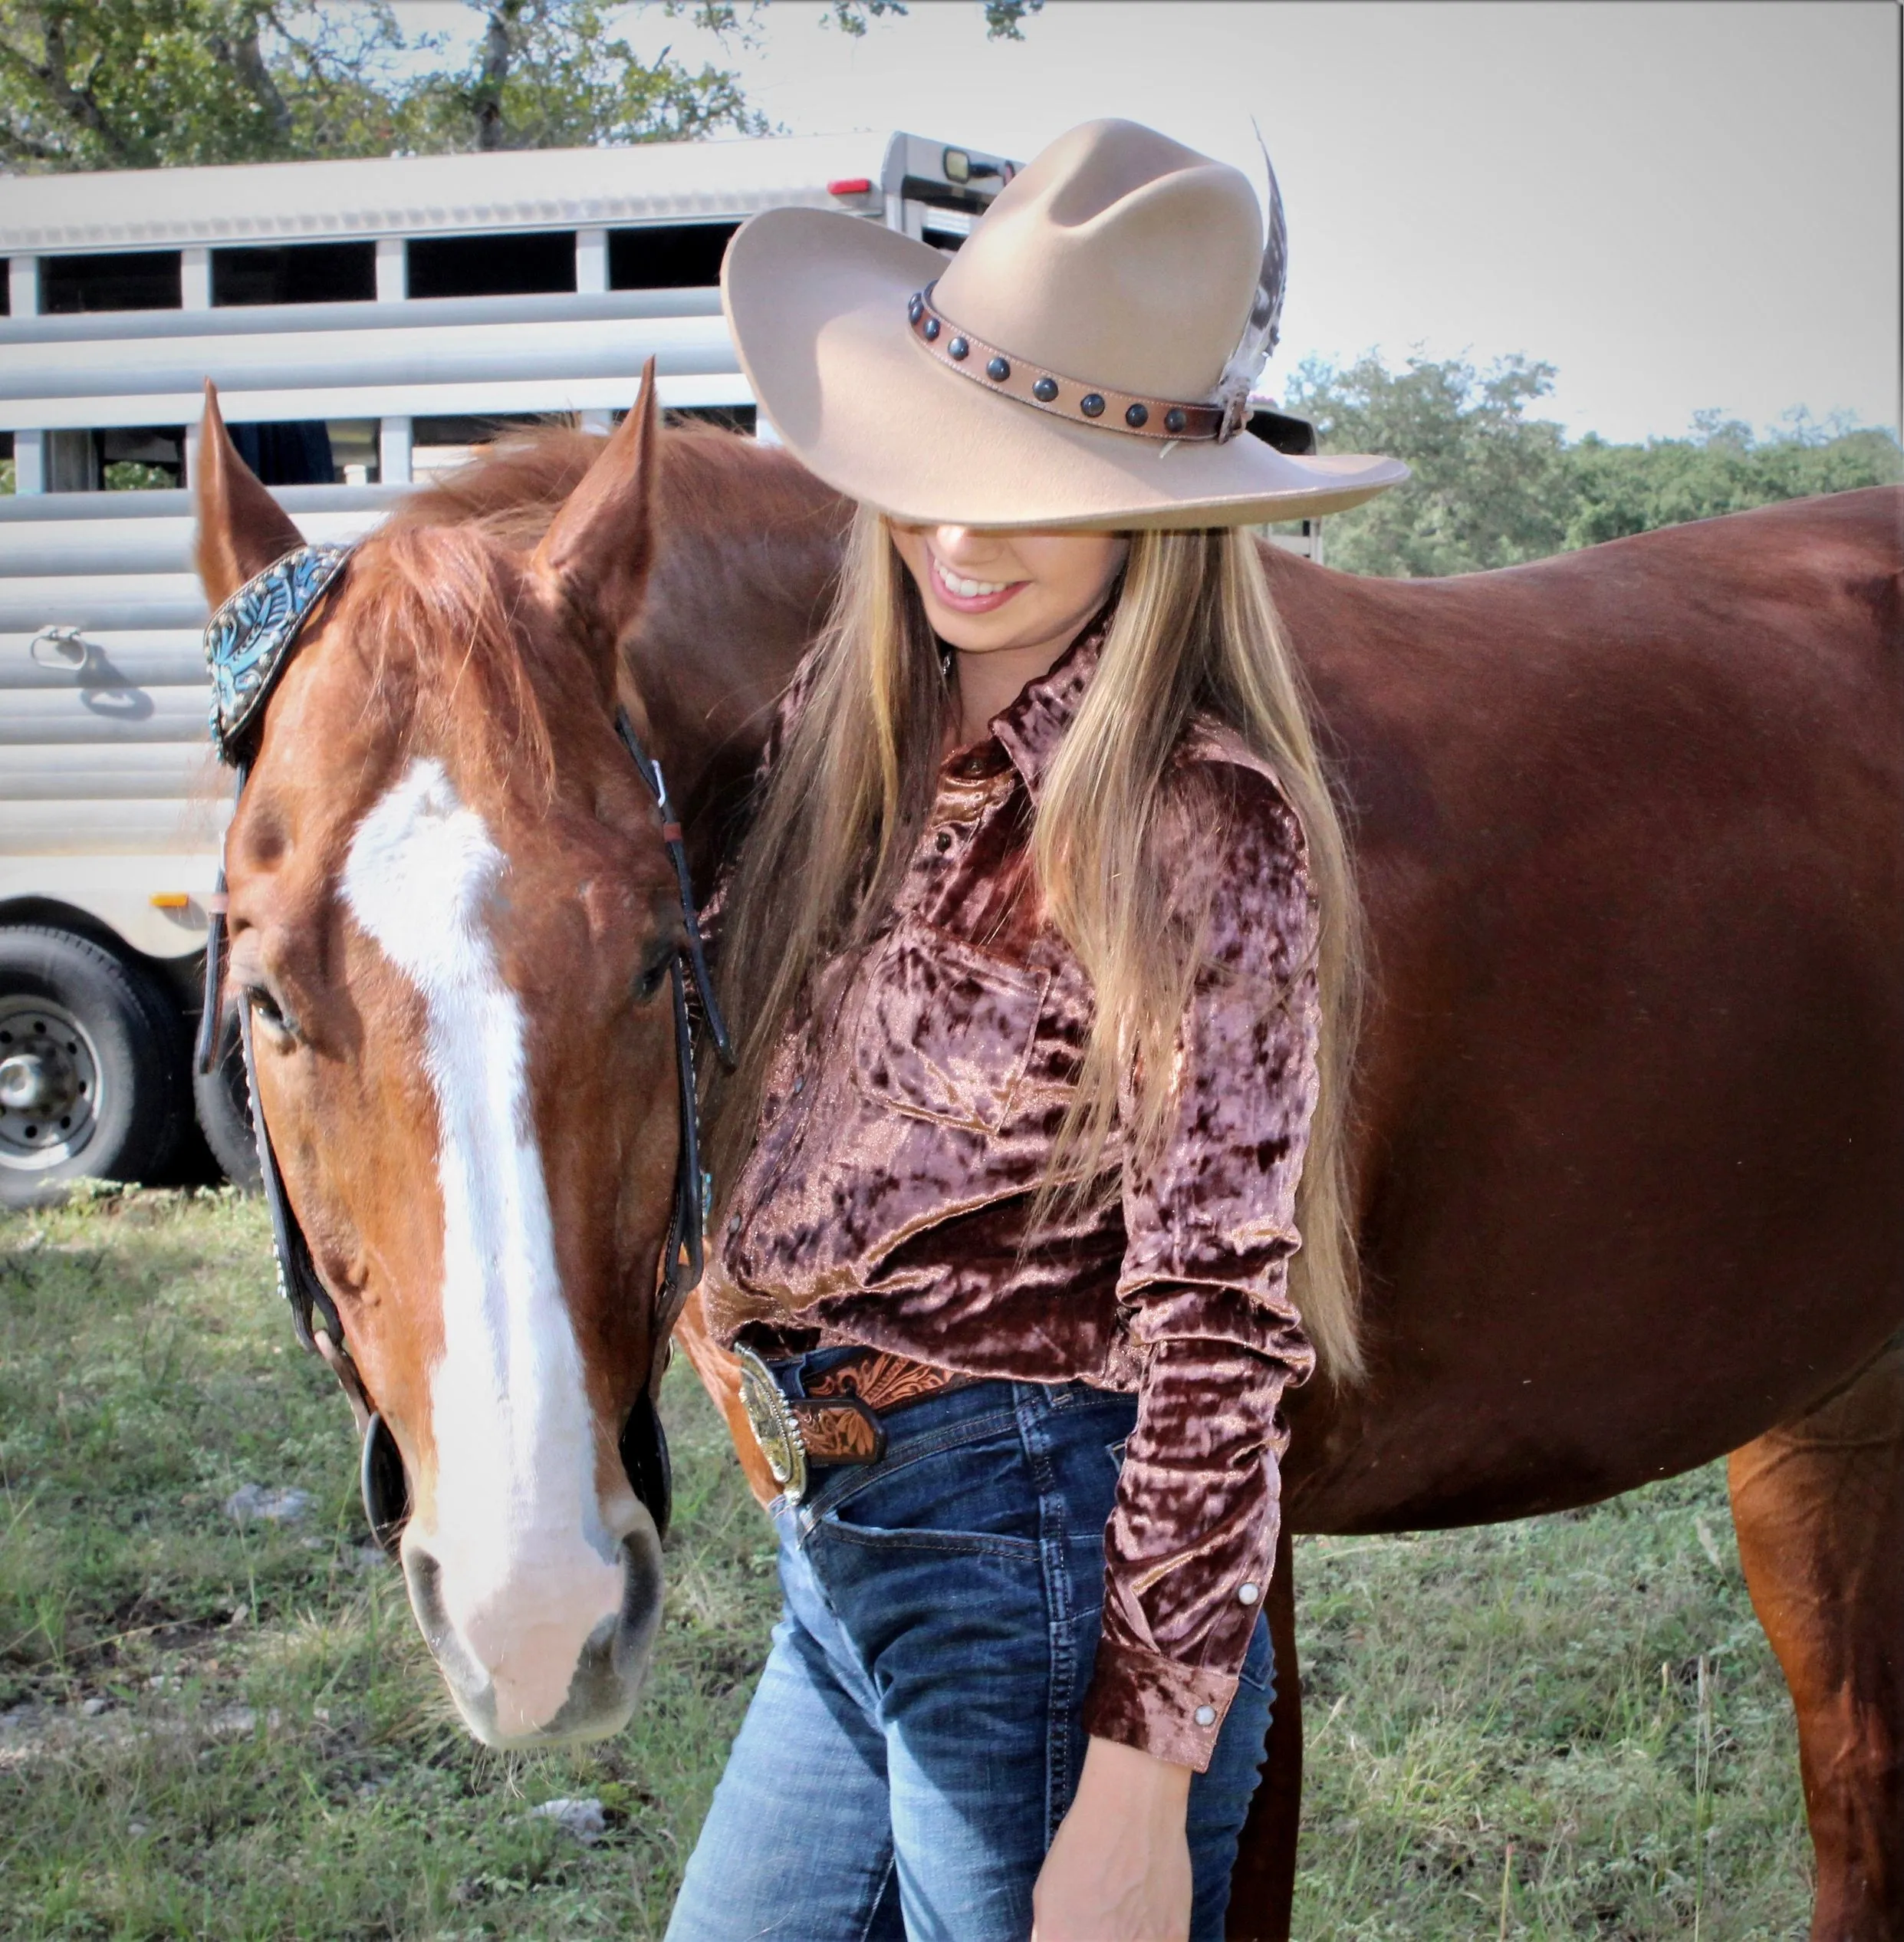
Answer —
(248, 643)
(684, 1252)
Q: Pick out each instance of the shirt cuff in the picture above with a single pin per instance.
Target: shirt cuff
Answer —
(1141, 1699)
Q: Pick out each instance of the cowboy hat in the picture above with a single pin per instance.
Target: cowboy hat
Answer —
(1084, 360)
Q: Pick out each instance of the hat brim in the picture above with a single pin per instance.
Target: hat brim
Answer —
(815, 301)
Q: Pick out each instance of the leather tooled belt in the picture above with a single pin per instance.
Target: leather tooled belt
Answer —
(837, 1420)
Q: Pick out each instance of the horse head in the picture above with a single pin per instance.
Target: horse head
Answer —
(453, 920)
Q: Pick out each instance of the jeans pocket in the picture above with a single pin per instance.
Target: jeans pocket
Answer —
(969, 1544)
(975, 1495)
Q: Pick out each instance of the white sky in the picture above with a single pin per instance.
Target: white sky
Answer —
(1680, 203)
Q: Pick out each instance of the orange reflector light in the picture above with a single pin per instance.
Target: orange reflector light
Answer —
(850, 185)
(170, 900)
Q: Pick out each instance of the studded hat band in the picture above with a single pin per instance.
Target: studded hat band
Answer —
(1164, 420)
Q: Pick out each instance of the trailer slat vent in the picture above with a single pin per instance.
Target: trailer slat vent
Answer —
(504, 263)
(667, 256)
(142, 279)
(295, 273)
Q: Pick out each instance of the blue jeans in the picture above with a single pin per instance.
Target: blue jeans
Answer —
(916, 1739)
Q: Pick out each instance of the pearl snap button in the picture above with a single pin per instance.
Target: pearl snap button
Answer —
(1247, 1594)
(733, 1224)
(1206, 1715)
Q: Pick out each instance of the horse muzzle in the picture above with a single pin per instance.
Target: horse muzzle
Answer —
(554, 1650)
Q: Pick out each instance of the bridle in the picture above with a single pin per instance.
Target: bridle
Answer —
(248, 643)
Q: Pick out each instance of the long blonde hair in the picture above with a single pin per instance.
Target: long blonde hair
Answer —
(1194, 630)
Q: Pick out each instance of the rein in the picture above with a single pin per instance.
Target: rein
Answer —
(248, 643)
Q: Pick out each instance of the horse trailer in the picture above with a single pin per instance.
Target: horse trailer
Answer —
(367, 323)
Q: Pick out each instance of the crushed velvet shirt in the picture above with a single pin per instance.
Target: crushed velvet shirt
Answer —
(905, 1126)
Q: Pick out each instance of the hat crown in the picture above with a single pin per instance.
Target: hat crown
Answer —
(1118, 256)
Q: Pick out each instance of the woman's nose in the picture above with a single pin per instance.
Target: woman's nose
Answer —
(963, 545)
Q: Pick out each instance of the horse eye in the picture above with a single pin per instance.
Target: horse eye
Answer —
(266, 1008)
(653, 976)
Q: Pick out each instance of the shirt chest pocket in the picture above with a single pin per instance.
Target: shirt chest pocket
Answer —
(946, 1030)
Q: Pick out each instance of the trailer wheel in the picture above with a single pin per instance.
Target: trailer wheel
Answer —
(92, 1065)
(224, 1102)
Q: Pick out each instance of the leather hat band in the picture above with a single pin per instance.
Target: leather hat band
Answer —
(1164, 420)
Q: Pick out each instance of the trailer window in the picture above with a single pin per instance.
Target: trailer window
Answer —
(668, 256)
(297, 453)
(144, 279)
(295, 273)
(354, 450)
(503, 264)
(1287, 434)
(141, 459)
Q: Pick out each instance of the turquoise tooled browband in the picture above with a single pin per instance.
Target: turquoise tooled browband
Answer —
(247, 641)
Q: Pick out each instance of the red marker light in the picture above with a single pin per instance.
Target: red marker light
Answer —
(850, 185)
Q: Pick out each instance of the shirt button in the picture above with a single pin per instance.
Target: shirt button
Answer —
(733, 1224)
(944, 841)
(799, 1086)
(1247, 1594)
(1206, 1715)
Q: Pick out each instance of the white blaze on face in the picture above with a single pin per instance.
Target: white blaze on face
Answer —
(528, 1570)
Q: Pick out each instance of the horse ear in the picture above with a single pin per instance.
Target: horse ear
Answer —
(242, 528)
(596, 555)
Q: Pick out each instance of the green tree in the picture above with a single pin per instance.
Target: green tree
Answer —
(1492, 485)
(141, 83)
(1485, 485)
(150, 83)
(1619, 489)
(552, 73)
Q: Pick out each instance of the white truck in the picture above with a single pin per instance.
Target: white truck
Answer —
(367, 322)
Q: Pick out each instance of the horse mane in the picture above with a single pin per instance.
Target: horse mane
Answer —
(442, 575)
(512, 489)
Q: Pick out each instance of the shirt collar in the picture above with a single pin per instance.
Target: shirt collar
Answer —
(1030, 730)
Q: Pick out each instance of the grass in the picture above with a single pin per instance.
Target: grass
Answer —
(211, 1729)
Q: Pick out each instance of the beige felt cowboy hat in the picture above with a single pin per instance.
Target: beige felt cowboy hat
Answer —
(1085, 359)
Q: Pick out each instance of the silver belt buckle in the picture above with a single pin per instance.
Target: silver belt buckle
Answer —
(775, 1428)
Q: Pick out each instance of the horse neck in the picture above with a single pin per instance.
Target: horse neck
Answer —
(748, 545)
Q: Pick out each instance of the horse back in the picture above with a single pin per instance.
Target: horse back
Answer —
(1630, 833)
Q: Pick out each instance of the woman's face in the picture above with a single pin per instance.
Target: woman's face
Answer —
(988, 591)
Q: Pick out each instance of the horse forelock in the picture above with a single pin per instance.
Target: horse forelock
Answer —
(452, 657)
(458, 655)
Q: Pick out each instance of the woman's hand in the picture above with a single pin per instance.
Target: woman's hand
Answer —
(1120, 1869)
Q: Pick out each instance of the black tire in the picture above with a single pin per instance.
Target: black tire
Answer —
(92, 1066)
(224, 1102)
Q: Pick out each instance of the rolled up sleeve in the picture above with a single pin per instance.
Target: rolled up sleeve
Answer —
(1209, 1217)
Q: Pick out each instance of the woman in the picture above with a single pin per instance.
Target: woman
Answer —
(1041, 943)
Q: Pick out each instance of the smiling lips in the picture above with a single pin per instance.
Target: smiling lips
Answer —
(967, 596)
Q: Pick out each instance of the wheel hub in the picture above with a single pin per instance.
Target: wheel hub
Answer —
(38, 1082)
(49, 1083)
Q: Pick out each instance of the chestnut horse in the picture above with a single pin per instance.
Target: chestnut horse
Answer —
(452, 916)
(1629, 829)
